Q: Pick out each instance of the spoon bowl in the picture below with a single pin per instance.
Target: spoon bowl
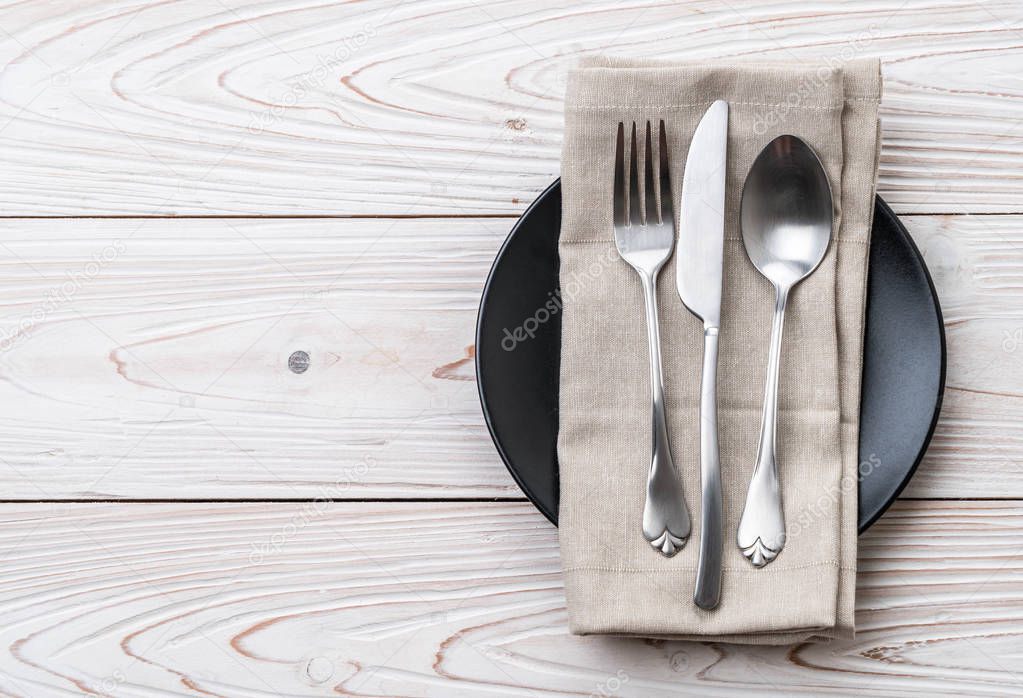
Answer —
(786, 211)
(786, 217)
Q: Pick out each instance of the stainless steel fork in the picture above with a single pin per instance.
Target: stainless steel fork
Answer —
(645, 236)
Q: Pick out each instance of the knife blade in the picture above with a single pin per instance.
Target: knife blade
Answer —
(701, 230)
(699, 262)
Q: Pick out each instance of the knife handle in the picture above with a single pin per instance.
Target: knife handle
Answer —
(708, 573)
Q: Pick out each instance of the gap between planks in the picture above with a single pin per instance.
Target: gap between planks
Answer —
(285, 216)
(384, 500)
(274, 500)
(409, 216)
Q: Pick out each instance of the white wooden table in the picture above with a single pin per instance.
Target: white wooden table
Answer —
(192, 192)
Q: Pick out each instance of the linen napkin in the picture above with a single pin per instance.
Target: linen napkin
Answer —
(615, 582)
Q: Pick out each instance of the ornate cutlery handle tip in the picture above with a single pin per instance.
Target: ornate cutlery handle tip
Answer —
(760, 554)
(668, 544)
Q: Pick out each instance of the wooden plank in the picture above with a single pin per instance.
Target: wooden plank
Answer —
(977, 267)
(456, 600)
(163, 372)
(155, 108)
(149, 358)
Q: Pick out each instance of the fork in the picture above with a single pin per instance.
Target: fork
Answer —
(645, 236)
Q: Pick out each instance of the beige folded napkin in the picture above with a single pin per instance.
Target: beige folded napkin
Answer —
(614, 581)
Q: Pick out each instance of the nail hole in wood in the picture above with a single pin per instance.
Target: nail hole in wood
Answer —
(298, 362)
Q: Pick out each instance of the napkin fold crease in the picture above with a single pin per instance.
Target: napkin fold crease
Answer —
(615, 583)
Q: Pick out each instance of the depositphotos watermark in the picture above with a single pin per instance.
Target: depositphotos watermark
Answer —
(529, 326)
(1011, 341)
(611, 685)
(808, 86)
(310, 512)
(311, 80)
(75, 281)
(572, 287)
(826, 502)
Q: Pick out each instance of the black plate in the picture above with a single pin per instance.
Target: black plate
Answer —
(903, 364)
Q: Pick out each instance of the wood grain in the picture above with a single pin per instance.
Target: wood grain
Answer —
(160, 370)
(164, 372)
(977, 266)
(143, 357)
(408, 599)
(173, 108)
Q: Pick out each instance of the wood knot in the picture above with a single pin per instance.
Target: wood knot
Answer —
(298, 362)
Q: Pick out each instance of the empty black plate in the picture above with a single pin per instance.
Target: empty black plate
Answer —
(903, 363)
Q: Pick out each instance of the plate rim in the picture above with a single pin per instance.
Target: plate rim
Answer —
(530, 495)
(911, 471)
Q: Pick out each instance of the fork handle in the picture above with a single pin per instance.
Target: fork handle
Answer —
(666, 523)
(708, 573)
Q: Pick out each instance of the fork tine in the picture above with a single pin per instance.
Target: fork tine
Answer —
(635, 203)
(650, 215)
(667, 214)
(621, 212)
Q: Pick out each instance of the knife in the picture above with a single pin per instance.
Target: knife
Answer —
(698, 263)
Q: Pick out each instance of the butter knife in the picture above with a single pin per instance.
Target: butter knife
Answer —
(699, 260)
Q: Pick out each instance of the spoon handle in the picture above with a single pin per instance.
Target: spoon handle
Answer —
(708, 573)
(761, 534)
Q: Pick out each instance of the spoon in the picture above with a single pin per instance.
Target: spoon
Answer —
(786, 217)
